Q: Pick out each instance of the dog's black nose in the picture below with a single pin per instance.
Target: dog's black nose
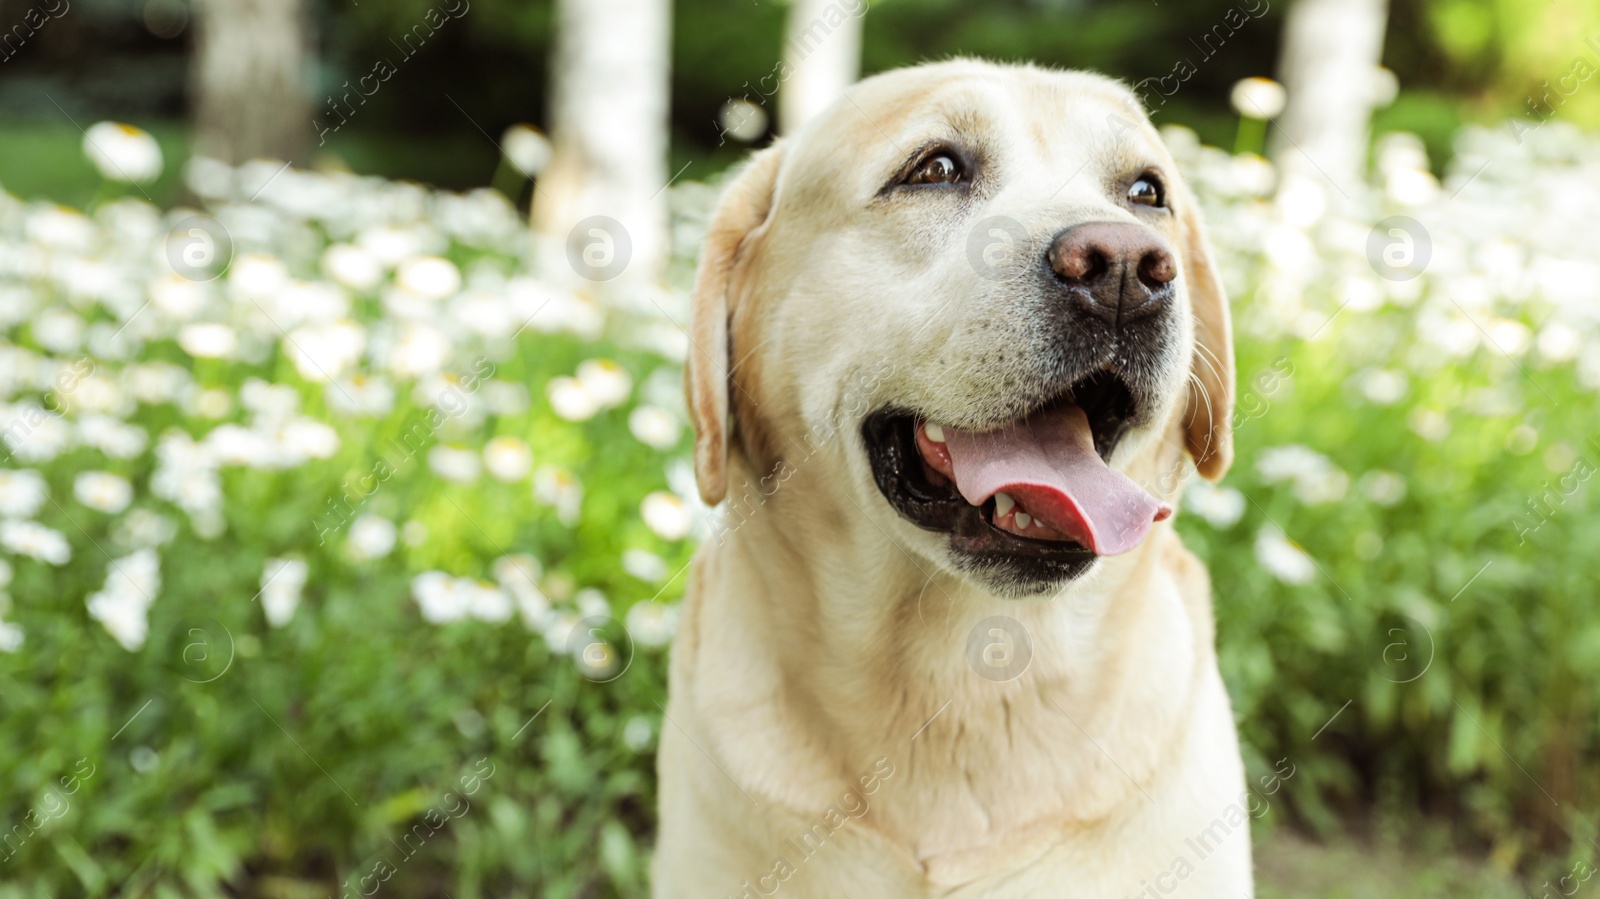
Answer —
(1114, 271)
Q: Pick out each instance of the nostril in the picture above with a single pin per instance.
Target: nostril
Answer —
(1080, 264)
(1156, 269)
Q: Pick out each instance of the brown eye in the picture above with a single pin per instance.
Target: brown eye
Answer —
(1147, 192)
(937, 169)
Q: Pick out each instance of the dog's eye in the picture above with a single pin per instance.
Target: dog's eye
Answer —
(1147, 191)
(940, 168)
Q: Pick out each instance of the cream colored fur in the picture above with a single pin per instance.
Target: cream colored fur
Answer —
(820, 684)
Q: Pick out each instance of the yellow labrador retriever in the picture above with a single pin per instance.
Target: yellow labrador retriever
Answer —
(955, 345)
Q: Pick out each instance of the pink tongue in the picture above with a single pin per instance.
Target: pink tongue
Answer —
(1049, 466)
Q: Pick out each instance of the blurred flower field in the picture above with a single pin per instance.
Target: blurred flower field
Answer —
(320, 500)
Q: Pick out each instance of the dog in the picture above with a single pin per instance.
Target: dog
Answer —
(954, 347)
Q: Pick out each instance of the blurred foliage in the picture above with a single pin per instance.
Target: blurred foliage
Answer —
(1457, 60)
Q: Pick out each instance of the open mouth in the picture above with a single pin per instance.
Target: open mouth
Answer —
(1038, 487)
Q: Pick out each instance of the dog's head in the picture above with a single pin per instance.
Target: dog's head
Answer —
(972, 297)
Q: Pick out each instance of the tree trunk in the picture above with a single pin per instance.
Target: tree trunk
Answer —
(822, 57)
(602, 200)
(250, 80)
(1331, 51)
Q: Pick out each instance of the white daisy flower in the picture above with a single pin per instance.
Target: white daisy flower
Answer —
(324, 351)
(143, 528)
(654, 426)
(112, 436)
(352, 267)
(124, 617)
(557, 630)
(526, 148)
(439, 597)
(667, 515)
(34, 435)
(518, 576)
(23, 493)
(651, 623)
(58, 331)
(454, 463)
(430, 277)
(485, 601)
(258, 277)
(103, 491)
(371, 537)
(156, 382)
(508, 459)
(60, 228)
(269, 402)
(179, 297)
(638, 733)
(208, 340)
(421, 350)
(122, 605)
(592, 603)
(211, 403)
(606, 382)
(11, 637)
(1258, 98)
(1282, 558)
(359, 394)
(281, 583)
(553, 486)
(1386, 488)
(1221, 507)
(644, 565)
(570, 400)
(122, 152)
(504, 397)
(306, 438)
(1384, 386)
(1315, 478)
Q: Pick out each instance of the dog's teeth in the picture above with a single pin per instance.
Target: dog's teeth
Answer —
(934, 432)
(1003, 503)
(1023, 519)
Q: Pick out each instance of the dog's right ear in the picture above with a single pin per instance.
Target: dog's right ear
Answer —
(743, 209)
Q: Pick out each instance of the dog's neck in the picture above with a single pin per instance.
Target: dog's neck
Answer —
(824, 646)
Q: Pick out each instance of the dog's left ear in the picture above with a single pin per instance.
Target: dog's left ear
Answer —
(1208, 418)
(743, 209)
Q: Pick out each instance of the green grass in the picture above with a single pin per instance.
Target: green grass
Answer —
(45, 161)
(1292, 867)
